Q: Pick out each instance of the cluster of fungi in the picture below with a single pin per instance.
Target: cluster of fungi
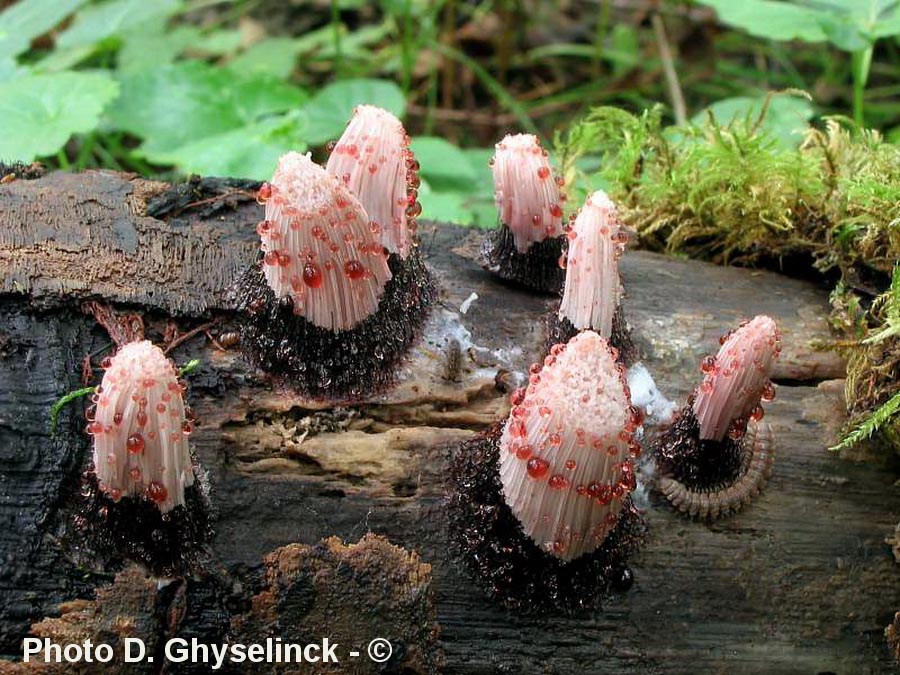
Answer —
(542, 504)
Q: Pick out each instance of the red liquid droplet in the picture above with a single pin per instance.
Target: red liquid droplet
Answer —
(558, 482)
(141, 418)
(106, 362)
(570, 465)
(160, 408)
(537, 467)
(524, 452)
(312, 275)
(543, 172)
(517, 396)
(135, 473)
(271, 258)
(556, 210)
(708, 364)
(117, 418)
(135, 444)
(354, 269)
(263, 227)
(265, 192)
(768, 392)
(187, 427)
(757, 413)
(157, 492)
(283, 259)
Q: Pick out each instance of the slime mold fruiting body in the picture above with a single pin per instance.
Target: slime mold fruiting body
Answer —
(527, 246)
(326, 309)
(141, 499)
(717, 455)
(372, 158)
(541, 509)
(593, 289)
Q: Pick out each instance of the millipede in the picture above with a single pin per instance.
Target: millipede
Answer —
(756, 469)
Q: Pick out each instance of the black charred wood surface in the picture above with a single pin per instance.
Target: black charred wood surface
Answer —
(801, 581)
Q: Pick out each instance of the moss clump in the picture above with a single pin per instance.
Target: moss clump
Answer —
(735, 194)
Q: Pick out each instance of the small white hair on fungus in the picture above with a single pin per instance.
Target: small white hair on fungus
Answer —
(140, 430)
(737, 378)
(372, 159)
(566, 450)
(525, 191)
(320, 250)
(593, 289)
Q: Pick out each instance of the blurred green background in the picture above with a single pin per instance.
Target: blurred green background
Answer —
(172, 87)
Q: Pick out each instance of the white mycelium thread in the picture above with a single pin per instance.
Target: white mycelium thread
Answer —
(374, 161)
(593, 289)
(525, 190)
(736, 379)
(140, 430)
(320, 250)
(566, 450)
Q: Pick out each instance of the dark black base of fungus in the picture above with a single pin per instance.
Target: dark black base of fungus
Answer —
(339, 365)
(107, 532)
(488, 538)
(538, 268)
(560, 331)
(701, 465)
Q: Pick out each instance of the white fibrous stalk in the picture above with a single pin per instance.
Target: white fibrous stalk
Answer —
(527, 194)
(736, 379)
(593, 289)
(320, 249)
(140, 427)
(372, 158)
(566, 450)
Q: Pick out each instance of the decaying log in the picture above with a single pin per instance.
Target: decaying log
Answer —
(801, 581)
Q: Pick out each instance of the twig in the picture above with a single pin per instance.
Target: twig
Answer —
(675, 93)
(191, 333)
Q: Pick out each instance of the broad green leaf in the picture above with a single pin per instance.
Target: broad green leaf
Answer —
(153, 44)
(771, 19)
(28, 19)
(219, 43)
(41, 112)
(100, 21)
(249, 152)
(178, 104)
(785, 119)
(10, 70)
(329, 110)
(272, 56)
(442, 164)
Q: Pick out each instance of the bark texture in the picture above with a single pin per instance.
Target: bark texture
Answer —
(801, 581)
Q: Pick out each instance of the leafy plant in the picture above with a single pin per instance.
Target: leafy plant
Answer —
(853, 26)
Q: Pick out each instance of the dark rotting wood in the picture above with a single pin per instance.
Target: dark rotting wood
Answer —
(800, 581)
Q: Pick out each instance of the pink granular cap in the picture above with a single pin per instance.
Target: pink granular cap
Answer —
(320, 250)
(736, 379)
(566, 450)
(140, 428)
(527, 195)
(593, 289)
(372, 158)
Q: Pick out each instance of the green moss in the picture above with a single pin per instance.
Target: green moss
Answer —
(734, 194)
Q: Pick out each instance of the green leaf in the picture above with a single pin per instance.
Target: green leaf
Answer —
(28, 19)
(251, 151)
(219, 43)
(153, 44)
(273, 56)
(41, 112)
(770, 19)
(10, 70)
(178, 104)
(100, 21)
(442, 164)
(327, 113)
(785, 118)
